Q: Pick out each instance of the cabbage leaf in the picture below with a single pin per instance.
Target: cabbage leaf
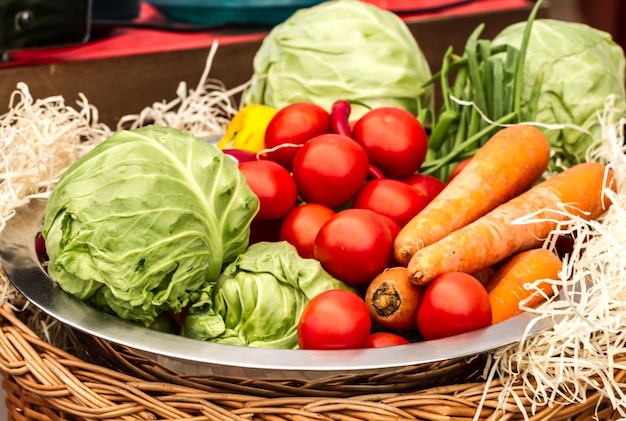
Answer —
(580, 67)
(145, 222)
(260, 297)
(341, 49)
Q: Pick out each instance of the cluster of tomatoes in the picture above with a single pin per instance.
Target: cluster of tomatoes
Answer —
(340, 192)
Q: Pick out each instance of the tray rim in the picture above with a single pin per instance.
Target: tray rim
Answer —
(23, 269)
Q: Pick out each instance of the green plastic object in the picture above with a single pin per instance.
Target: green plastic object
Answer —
(223, 12)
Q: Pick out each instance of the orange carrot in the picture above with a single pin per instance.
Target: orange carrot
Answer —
(493, 237)
(508, 164)
(507, 288)
(392, 300)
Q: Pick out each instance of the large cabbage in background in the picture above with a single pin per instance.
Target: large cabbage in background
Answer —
(581, 67)
(341, 49)
(145, 222)
(260, 297)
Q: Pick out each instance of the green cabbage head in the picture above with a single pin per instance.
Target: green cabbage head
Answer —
(145, 222)
(581, 67)
(260, 297)
(341, 49)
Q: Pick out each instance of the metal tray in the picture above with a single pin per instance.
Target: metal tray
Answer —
(20, 262)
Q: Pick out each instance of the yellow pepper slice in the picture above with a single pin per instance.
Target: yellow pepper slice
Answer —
(246, 131)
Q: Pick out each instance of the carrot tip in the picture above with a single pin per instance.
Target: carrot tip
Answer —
(417, 278)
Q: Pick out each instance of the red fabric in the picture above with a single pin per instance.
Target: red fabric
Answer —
(127, 41)
(620, 36)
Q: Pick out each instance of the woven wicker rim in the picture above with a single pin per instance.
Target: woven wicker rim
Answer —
(45, 382)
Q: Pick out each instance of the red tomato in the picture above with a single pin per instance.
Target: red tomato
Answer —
(453, 303)
(273, 185)
(394, 229)
(354, 246)
(394, 139)
(428, 185)
(392, 225)
(383, 339)
(301, 225)
(334, 319)
(391, 198)
(330, 169)
(458, 168)
(294, 124)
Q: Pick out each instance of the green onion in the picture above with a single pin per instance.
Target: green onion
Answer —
(491, 78)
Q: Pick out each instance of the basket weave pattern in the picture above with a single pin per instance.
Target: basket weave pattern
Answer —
(44, 382)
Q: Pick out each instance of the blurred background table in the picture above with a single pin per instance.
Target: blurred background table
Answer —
(122, 70)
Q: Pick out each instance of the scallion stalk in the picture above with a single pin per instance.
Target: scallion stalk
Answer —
(491, 78)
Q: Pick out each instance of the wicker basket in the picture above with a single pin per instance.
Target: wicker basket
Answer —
(94, 379)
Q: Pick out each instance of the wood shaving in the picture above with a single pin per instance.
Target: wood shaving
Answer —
(204, 111)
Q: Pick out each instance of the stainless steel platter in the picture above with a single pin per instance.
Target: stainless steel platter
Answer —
(22, 266)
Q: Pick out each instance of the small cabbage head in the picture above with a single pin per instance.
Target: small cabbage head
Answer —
(260, 297)
(581, 67)
(145, 222)
(341, 49)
